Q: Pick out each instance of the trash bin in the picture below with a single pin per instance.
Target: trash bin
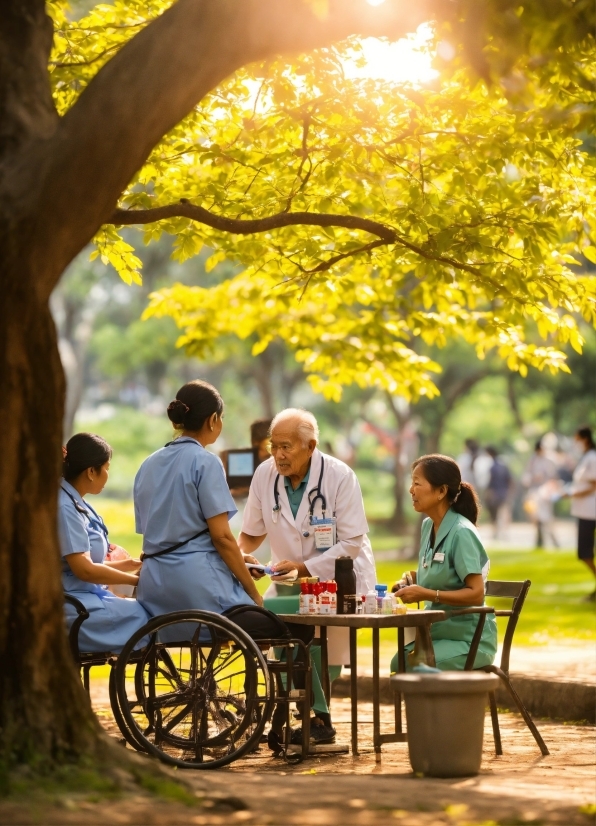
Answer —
(445, 720)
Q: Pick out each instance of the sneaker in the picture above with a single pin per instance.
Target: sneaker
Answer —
(319, 734)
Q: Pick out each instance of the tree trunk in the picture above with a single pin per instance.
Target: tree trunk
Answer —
(44, 711)
(398, 521)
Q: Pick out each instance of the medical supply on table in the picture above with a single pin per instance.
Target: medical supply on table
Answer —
(308, 601)
(370, 603)
(346, 585)
(399, 608)
(325, 600)
(381, 592)
(332, 587)
(387, 604)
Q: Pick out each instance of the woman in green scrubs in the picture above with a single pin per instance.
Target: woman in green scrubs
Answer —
(452, 564)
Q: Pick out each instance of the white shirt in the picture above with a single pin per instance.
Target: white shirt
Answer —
(584, 507)
(344, 500)
(287, 535)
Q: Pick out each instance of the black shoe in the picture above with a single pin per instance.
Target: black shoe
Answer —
(319, 734)
(274, 741)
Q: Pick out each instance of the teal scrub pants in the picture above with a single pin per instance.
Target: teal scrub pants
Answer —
(447, 656)
(290, 605)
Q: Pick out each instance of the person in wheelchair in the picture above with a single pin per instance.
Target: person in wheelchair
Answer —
(86, 569)
(183, 505)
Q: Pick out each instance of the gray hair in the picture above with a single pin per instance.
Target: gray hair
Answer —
(306, 427)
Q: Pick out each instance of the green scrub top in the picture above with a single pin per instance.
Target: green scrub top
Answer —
(464, 554)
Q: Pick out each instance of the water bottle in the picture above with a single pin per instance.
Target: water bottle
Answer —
(346, 585)
(381, 591)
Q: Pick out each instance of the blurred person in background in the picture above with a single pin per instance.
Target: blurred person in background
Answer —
(259, 438)
(475, 465)
(497, 493)
(583, 500)
(541, 480)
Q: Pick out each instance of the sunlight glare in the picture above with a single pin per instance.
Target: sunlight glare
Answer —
(408, 60)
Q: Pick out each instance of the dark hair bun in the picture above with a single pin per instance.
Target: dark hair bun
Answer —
(195, 402)
(177, 411)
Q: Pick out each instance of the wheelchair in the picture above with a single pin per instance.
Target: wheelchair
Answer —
(193, 689)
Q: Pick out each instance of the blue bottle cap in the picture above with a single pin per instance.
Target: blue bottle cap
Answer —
(380, 588)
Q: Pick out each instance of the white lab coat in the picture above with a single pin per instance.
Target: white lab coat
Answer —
(344, 500)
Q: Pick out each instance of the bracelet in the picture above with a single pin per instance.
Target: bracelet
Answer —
(436, 599)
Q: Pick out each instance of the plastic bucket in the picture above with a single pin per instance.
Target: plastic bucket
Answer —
(445, 719)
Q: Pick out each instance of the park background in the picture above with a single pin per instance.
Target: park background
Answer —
(123, 370)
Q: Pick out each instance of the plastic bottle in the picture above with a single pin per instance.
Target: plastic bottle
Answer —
(325, 599)
(332, 586)
(305, 597)
(387, 604)
(317, 589)
(370, 603)
(346, 585)
(381, 591)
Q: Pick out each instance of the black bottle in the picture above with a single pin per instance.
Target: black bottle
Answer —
(346, 585)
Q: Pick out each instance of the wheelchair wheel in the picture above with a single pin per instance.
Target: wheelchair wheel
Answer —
(198, 695)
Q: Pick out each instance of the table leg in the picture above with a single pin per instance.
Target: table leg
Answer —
(354, 688)
(401, 664)
(376, 696)
(326, 685)
(426, 645)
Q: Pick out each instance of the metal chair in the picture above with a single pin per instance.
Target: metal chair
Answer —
(516, 591)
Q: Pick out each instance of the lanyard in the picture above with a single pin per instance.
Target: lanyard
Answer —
(311, 501)
(95, 521)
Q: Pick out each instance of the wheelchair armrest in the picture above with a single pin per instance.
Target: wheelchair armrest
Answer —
(73, 634)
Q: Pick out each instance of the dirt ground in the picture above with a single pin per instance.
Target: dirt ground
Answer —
(521, 787)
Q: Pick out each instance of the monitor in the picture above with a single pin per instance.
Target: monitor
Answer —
(240, 465)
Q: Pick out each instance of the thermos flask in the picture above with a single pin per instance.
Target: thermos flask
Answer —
(346, 585)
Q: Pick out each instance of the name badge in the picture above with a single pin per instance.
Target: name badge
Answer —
(439, 557)
(325, 533)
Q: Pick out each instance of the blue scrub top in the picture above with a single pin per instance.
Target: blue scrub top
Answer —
(81, 530)
(176, 490)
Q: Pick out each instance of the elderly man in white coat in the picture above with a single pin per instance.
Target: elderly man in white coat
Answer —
(299, 484)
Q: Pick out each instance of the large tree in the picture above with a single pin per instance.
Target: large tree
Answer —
(81, 129)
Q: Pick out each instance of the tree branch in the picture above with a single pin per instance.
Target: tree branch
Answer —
(237, 226)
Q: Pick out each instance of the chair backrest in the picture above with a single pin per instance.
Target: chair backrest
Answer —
(517, 591)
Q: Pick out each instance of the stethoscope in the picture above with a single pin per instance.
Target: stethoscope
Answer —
(312, 500)
(95, 521)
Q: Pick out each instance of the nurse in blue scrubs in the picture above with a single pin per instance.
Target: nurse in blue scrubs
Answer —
(182, 507)
(86, 569)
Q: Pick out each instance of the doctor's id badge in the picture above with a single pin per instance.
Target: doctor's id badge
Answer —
(325, 530)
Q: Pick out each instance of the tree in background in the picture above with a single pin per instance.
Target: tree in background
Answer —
(128, 74)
